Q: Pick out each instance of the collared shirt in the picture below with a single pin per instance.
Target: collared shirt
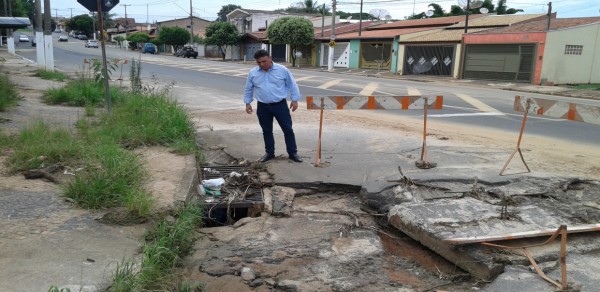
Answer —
(270, 86)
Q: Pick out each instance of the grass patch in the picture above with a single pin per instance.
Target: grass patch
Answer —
(8, 93)
(152, 119)
(586, 86)
(165, 247)
(59, 76)
(24, 30)
(81, 92)
(39, 144)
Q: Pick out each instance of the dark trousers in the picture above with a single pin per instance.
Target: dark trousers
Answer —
(280, 111)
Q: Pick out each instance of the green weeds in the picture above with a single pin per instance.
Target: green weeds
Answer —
(59, 76)
(8, 93)
(165, 246)
(587, 86)
(81, 92)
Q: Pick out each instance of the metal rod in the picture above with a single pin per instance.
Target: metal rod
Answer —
(424, 149)
(563, 257)
(318, 162)
(518, 149)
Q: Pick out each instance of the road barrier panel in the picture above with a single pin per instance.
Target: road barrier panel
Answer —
(554, 109)
(559, 109)
(376, 103)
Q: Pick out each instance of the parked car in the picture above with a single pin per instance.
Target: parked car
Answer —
(91, 44)
(33, 42)
(82, 37)
(187, 52)
(149, 48)
(63, 38)
(23, 38)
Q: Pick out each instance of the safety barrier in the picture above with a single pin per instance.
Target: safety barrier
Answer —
(374, 103)
(551, 108)
(559, 109)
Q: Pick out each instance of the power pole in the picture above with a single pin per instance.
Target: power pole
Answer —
(467, 15)
(48, 48)
(332, 40)
(191, 24)
(323, 19)
(39, 36)
(360, 18)
(549, 15)
(71, 12)
(126, 21)
(55, 14)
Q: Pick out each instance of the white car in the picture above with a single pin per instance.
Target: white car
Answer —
(23, 38)
(91, 44)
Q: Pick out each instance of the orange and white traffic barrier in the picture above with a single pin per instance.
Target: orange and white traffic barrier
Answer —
(559, 109)
(376, 103)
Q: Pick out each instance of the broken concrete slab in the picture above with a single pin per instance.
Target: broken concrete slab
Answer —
(540, 203)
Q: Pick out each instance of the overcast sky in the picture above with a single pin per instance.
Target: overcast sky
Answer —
(158, 10)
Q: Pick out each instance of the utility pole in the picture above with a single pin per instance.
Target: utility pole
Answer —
(55, 14)
(323, 19)
(467, 15)
(71, 12)
(48, 48)
(332, 40)
(9, 32)
(360, 18)
(549, 15)
(192, 25)
(39, 36)
(126, 21)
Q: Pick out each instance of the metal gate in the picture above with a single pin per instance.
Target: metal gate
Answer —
(250, 49)
(429, 60)
(341, 54)
(278, 53)
(376, 55)
(499, 62)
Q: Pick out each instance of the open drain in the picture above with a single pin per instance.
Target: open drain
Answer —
(239, 196)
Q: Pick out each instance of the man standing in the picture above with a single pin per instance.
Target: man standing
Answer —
(271, 83)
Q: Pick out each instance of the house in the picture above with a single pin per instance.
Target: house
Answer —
(252, 24)
(439, 52)
(375, 44)
(559, 51)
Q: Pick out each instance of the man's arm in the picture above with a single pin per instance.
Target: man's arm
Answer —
(292, 87)
(248, 92)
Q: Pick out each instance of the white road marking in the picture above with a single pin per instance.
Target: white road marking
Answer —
(413, 91)
(369, 89)
(304, 78)
(330, 83)
(476, 103)
(465, 115)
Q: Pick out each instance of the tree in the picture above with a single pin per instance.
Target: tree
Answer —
(456, 10)
(222, 14)
(293, 31)
(82, 23)
(174, 36)
(222, 35)
(119, 39)
(138, 37)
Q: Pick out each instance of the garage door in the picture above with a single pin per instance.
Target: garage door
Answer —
(499, 62)
(429, 60)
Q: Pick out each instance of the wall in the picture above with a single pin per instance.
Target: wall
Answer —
(199, 24)
(563, 69)
(538, 38)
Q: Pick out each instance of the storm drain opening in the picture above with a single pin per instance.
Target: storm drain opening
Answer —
(230, 193)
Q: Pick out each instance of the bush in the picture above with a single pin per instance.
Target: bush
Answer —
(81, 92)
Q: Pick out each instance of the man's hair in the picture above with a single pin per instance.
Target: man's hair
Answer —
(260, 53)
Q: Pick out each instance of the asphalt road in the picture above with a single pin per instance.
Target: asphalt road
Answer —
(463, 104)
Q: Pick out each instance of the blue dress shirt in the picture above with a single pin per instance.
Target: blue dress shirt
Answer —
(270, 86)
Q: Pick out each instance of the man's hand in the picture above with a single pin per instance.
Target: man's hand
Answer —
(249, 108)
(294, 106)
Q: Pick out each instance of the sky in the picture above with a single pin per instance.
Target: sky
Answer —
(159, 10)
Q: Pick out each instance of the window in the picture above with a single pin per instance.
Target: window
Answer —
(573, 49)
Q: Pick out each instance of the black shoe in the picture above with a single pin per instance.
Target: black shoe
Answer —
(295, 157)
(267, 157)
